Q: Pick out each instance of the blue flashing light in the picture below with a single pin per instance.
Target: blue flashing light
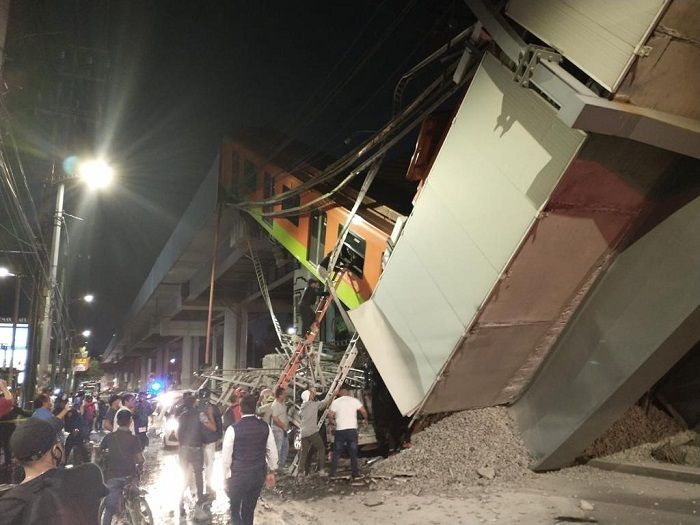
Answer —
(156, 386)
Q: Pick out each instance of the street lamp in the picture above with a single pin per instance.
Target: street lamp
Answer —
(86, 333)
(4, 272)
(88, 298)
(97, 174)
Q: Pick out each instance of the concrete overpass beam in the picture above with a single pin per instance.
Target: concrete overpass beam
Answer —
(637, 322)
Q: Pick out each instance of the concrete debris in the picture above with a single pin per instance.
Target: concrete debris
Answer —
(585, 505)
(486, 472)
(373, 501)
(636, 427)
(453, 451)
(645, 452)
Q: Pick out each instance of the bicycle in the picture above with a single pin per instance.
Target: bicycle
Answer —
(133, 507)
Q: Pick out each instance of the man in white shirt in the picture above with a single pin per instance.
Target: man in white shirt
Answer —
(249, 457)
(129, 404)
(343, 412)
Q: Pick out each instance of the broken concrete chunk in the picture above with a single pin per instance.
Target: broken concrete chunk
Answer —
(373, 501)
(486, 472)
(585, 505)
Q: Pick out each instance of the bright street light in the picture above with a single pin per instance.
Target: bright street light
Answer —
(88, 298)
(86, 333)
(4, 272)
(172, 361)
(96, 173)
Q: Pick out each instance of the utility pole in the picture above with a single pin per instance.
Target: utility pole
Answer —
(45, 348)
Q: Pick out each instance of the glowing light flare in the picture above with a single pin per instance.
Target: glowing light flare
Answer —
(86, 333)
(156, 386)
(4, 272)
(88, 298)
(96, 173)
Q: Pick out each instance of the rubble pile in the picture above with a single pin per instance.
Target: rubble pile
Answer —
(474, 447)
(636, 427)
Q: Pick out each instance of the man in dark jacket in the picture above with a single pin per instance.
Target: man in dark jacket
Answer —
(50, 494)
(307, 304)
(249, 457)
(123, 454)
(189, 435)
(78, 435)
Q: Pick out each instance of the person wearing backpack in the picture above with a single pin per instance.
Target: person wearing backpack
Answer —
(212, 431)
(49, 493)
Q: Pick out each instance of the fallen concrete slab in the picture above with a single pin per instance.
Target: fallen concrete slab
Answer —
(654, 470)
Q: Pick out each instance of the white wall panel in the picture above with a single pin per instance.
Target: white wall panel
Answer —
(599, 36)
(503, 155)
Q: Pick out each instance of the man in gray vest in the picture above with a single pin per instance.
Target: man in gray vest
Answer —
(249, 457)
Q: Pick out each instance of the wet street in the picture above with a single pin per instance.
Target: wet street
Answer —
(549, 498)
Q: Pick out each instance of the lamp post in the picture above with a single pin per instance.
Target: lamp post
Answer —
(97, 174)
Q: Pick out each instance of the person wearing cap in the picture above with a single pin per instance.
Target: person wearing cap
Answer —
(49, 494)
(343, 413)
(311, 440)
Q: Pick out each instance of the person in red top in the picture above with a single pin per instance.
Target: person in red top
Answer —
(233, 413)
(7, 402)
(89, 411)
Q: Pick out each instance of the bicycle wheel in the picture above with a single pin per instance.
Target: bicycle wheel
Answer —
(140, 512)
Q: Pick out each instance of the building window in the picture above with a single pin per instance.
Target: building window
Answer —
(291, 202)
(317, 236)
(250, 176)
(268, 191)
(353, 252)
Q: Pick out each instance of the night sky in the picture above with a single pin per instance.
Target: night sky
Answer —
(181, 76)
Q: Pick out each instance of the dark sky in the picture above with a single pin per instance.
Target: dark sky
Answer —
(181, 75)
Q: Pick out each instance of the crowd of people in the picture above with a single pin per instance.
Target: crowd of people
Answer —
(253, 431)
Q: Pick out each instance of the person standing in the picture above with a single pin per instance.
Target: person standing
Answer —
(124, 452)
(311, 440)
(343, 412)
(280, 425)
(78, 434)
(128, 403)
(101, 413)
(115, 403)
(89, 411)
(232, 415)
(142, 414)
(191, 455)
(249, 458)
(50, 494)
(210, 417)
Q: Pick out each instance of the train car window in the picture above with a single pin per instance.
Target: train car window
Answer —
(292, 202)
(317, 236)
(268, 191)
(250, 176)
(353, 252)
